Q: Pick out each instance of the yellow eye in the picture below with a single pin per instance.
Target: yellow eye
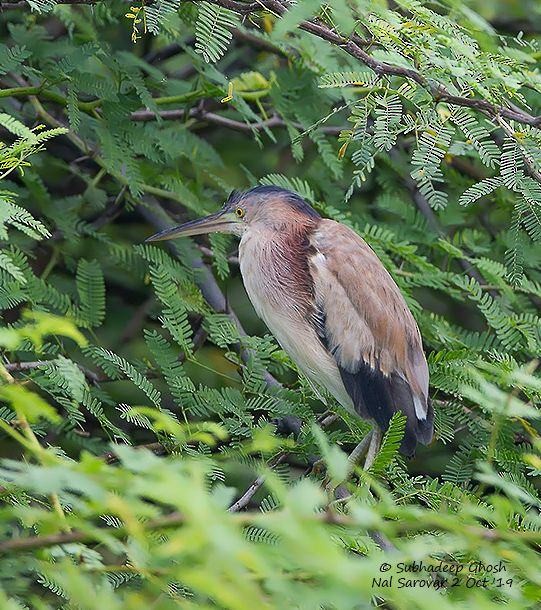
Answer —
(239, 212)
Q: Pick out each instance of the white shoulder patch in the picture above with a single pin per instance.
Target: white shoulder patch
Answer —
(420, 409)
(319, 259)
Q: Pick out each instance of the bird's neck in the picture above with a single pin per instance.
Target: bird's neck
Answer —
(283, 241)
(274, 263)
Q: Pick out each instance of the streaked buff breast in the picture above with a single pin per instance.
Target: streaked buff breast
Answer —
(272, 281)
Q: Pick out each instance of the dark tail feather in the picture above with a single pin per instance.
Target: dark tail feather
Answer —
(417, 430)
(370, 392)
(426, 426)
(378, 397)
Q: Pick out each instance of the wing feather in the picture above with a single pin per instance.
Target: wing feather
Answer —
(366, 325)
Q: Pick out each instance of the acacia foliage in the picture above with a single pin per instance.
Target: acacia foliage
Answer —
(135, 409)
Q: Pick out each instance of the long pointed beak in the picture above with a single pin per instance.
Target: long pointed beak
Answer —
(219, 221)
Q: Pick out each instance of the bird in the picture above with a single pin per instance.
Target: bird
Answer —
(331, 305)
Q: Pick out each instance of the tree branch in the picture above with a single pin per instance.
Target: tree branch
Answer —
(144, 115)
(19, 367)
(333, 518)
(38, 542)
(324, 421)
(217, 119)
(438, 91)
(166, 521)
(352, 46)
(254, 487)
(432, 220)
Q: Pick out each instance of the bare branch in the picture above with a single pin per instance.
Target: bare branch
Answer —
(111, 457)
(217, 119)
(353, 46)
(438, 91)
(37, 542)
(324, 420)
(254, 487)
(19, 367)
(175, 519)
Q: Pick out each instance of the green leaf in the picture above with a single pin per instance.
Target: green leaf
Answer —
(91, 289)
(390, 443)
(28, 404)
(213, 30)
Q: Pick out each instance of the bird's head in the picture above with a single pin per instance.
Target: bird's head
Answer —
(271, 207)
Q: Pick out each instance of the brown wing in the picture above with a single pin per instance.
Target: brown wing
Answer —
(367, 327)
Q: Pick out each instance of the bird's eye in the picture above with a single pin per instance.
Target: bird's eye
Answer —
(239, 212)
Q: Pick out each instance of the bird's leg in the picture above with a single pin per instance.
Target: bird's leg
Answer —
(375, 442)
(360, 449)
(340, 492)
(371, 441)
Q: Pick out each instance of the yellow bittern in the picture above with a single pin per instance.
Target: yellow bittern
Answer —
(331, 305)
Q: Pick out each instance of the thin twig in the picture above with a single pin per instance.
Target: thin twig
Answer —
(19, 367)
(244, 500)
(427, 212)
(111, 457)
(222, 121)
(324, 420)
